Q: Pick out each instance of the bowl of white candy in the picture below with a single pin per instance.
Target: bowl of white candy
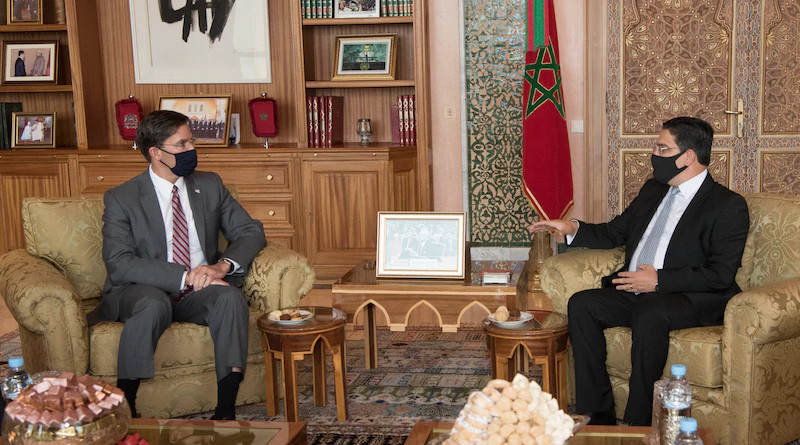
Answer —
(514, 413)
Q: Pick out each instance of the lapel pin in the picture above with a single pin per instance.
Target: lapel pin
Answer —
(197, 191)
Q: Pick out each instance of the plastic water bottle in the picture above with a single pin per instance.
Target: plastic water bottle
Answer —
(677, 404)
(16, 380)
(688, 435)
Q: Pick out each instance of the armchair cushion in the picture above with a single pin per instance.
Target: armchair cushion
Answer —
(66, 232)
(702, 347)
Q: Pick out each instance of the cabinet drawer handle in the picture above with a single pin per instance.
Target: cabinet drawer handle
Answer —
(269, 177)
(271, 213)
(315, 155)
(100, 178)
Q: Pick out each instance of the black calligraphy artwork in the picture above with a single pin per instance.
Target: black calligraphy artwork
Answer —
(220, 11)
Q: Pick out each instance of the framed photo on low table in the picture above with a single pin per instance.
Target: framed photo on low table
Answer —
(421, 245)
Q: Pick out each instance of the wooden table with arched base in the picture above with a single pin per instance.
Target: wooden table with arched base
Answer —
(543, 339)
(290, 342)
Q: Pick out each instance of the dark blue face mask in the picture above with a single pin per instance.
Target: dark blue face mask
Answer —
(185, 162)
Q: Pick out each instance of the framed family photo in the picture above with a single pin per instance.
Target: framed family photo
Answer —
(356, 8)
(30, 62)
(365, 57)
(421, 245)
(22, 12)
(33, 130)
(209, 116)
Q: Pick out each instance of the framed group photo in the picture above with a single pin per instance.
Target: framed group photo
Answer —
(421, 245)
(21, 12)
(30, 62)
(365, 57)
(33, 130)
(356, 8)
(209, 116)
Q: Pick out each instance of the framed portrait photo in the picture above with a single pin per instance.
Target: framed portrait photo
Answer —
(356, 8)
(366, 57)
(33, 130)
(421, 245)
(209, 116)
(21, 12)
(30, 62)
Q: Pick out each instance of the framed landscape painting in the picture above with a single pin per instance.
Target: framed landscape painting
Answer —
(366, 57)
(209, 116)
(421, 245)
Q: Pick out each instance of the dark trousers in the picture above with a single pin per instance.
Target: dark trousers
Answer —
(650, 316)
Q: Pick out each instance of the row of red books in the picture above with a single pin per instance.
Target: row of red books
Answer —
(325, 120)
(404, 126)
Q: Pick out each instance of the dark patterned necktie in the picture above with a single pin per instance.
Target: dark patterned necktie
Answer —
(180, 238)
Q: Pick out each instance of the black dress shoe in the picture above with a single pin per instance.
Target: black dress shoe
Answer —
(603, 418)
(218, 416)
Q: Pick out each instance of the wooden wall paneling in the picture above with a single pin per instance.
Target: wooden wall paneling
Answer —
(119, 79)
(87, 73)
(58, 102)
(404, 180)
(371, 103)
(34, 176)
(595, 147)
(424, 139)
(320, 44)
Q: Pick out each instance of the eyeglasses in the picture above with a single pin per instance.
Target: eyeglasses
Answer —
(183, 144)
(660, 148)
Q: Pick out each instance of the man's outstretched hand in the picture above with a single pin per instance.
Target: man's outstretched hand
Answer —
(555, 225)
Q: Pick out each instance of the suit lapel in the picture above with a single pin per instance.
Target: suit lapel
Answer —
(688, 218)
(196, 200)
(152, 213)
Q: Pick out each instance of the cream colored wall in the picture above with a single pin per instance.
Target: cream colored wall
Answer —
(446, 79)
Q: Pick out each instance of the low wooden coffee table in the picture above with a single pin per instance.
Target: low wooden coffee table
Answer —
(290, 342)
(427, 432)
(543, 339)
(360, 290)
(173, 431)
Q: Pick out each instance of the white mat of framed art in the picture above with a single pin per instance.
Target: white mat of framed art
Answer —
(420, 245)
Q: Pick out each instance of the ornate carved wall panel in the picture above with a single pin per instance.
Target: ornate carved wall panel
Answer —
(494, 34)
(676, 60)
(779, 172)
(636, 170)
(780, 90)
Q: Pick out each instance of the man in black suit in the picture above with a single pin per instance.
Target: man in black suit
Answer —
(160, 232)
(684, 236)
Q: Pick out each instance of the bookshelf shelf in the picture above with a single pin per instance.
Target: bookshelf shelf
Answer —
(359, 83)
(358, 21)
(32, 28)
(28, 88)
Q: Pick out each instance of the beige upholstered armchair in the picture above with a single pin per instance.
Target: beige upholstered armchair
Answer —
(745, 375)
(50, 286)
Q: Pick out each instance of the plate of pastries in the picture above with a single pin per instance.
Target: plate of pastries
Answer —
(509, 318)
(290, 316)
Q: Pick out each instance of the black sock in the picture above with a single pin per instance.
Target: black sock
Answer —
(129, 387)
(227, 389)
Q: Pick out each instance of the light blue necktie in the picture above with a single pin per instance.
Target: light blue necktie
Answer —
(648, 253)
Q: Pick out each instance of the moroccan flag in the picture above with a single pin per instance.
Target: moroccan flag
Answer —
(546, 169)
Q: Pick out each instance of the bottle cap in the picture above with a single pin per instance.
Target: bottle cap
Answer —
(15, 362)
(678, 370)
(688, 425)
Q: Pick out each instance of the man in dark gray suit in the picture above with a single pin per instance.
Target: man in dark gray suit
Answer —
(160, 232)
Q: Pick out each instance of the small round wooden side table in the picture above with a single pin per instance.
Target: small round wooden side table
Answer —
(290, 342)
(543, 338)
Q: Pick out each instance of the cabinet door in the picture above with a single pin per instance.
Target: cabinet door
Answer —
(342, 199)
(19, 180)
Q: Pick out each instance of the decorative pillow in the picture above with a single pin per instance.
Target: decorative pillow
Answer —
(68, 233)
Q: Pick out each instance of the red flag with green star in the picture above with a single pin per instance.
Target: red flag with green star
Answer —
(546, 167)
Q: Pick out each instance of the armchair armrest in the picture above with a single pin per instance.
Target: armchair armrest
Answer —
(53, 328)
(565, 274)
(278, 278)
(760, 346)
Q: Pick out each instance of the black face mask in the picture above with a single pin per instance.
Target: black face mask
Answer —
(664, 169)
(185, 162)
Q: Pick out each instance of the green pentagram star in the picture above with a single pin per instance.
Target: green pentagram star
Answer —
(532, 73)
(263, 116)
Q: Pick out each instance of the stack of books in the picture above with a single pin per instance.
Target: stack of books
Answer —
(7, 130)
(325, 120)
(323, 9)
(397, 8)
(404, 126)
